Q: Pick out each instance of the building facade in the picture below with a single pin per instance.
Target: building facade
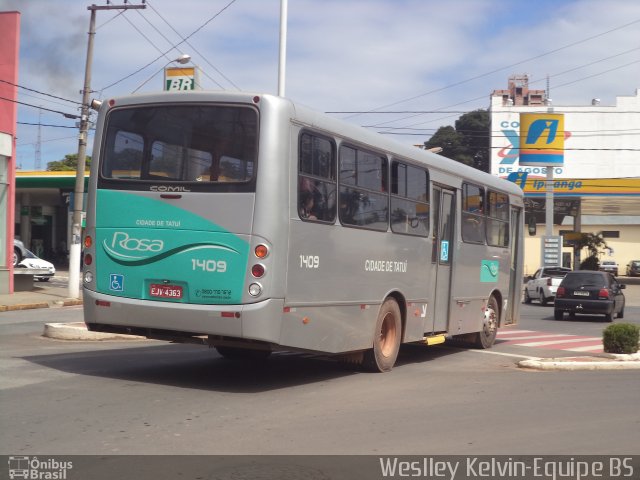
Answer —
(597, 190)
(10, 28)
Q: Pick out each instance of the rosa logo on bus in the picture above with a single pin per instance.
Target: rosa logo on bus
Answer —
(125, 247)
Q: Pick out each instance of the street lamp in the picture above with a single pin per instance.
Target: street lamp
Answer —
(182, 59)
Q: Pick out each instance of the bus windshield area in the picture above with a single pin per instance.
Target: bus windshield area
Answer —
(187, 143)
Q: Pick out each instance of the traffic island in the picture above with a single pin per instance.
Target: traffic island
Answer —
(607, 361)
(79, 331)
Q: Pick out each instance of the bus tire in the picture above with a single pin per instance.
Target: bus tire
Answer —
(487, 336)
(246, 354)
(386, 343)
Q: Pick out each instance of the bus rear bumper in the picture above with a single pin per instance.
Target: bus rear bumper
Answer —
(182, 321)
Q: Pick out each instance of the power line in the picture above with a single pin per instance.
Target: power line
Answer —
(40, 93)
(44, 125)
(194, 49)
(542, 109)
(66, 115)
(380, 124)
(461, 82)
(176, 45)
(45, 141)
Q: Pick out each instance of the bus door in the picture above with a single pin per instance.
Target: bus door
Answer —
(514, 272)
(442, 253)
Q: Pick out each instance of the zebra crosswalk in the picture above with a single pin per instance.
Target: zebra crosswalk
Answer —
(552, 341)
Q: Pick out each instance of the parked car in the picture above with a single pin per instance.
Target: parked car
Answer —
(543, 284)
(609, 266)
(633, 268)
(32, 261)
(593, 292)
(19, 251)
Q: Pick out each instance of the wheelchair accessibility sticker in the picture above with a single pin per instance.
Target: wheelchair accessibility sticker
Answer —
(116, 282)
(444, 251)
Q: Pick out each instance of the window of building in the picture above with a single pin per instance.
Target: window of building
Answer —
(317, 178)
(364, 200)
(409, 199)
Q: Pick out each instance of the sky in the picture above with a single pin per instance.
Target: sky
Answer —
(379, 58)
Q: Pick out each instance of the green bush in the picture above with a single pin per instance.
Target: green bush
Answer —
(621, 338)
(590, 263)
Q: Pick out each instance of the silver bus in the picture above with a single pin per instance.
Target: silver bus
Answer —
(252, 224)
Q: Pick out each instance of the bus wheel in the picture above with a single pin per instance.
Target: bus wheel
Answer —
(247, 354)
(386, 344)
(486, 336)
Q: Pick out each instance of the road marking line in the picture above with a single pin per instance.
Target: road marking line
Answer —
(505, 354)
(559, 342)
(531, 337)
(512, 332)
(588, 348)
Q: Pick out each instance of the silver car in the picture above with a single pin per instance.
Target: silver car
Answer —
(609, 266)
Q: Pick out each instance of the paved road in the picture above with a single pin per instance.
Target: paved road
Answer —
(147, 397)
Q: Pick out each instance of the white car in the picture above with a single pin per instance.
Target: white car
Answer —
(32, 261)
(543, 284)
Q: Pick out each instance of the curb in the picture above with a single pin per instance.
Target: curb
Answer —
(78, 331)
(604, 362)
(23, 306)
(69, 302)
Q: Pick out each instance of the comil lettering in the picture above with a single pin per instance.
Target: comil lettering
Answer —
(124, 241)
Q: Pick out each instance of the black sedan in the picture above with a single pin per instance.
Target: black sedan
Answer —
(589, 292)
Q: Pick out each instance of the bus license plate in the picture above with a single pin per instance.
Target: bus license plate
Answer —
(165, 291)
(581, 294)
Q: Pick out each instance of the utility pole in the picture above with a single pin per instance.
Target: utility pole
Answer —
(283, 47)
(75, 249)
(37, 164)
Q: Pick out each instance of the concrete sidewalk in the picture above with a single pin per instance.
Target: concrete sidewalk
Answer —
(54, 293)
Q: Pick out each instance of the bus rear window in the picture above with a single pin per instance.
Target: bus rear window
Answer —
(170, 143)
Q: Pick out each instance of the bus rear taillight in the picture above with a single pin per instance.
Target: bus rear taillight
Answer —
(261, 251)
(88, 259)
(257, 270)
(88, 241)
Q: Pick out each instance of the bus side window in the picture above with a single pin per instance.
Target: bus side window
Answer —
(498, 219)
(364, 197)
(473, 221)
(409, 199)
(316, 178)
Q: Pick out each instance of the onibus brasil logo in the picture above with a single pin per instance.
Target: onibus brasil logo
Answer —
(38, 469)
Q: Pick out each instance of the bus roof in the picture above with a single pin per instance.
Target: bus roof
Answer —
(337, 127)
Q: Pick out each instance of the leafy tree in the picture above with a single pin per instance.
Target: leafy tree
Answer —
(70, 162)
(475, 128)
(468, 142)
(449, 140)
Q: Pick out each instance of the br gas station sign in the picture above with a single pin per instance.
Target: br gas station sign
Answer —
(181, 78)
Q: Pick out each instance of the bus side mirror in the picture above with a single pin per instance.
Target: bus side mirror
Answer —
(532, 225)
